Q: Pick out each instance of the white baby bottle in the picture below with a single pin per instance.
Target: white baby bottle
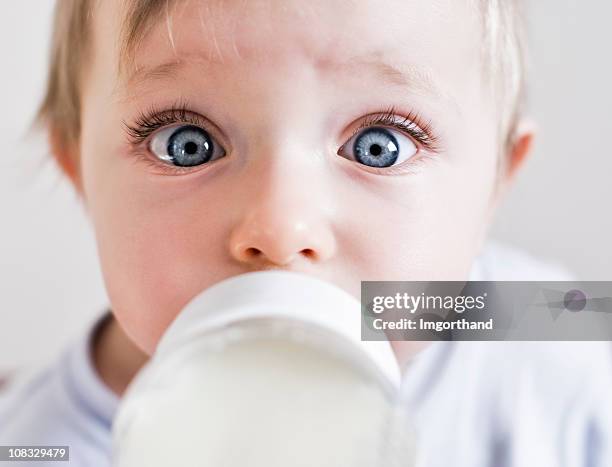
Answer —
(265, 369)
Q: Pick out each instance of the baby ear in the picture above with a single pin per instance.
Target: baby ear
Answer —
(66, 154)
(520, 145)
(518, 149)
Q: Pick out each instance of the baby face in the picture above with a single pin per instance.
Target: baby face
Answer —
(347, 140)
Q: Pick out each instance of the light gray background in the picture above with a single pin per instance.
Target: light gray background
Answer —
(50, 284)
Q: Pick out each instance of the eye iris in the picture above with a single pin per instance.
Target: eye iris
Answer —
(376, 147)
(189, 146)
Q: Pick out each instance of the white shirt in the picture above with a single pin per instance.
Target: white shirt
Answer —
(474, 404)
(63, 404)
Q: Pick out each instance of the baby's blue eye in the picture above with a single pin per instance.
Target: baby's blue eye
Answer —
(379, 147)
(185, 146)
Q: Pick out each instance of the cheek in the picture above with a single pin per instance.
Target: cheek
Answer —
(427, 226)
(159, 246)
(153, 265)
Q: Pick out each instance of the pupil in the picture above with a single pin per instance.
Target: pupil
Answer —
(375, 150)
(191, 147)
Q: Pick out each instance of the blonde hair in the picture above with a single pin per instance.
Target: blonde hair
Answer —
(503, 51)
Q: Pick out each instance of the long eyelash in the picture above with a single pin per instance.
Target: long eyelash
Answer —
(412, 124)
(154, 118)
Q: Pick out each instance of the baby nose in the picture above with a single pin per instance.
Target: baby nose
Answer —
(280, 238)
(282, 224)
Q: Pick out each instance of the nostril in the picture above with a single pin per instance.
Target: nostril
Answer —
(252, 252)
(308, 253)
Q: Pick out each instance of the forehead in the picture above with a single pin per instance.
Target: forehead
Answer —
(330, 25)
(432, 39)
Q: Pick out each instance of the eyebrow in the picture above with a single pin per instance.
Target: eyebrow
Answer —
(417, 79)
(413, 77)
